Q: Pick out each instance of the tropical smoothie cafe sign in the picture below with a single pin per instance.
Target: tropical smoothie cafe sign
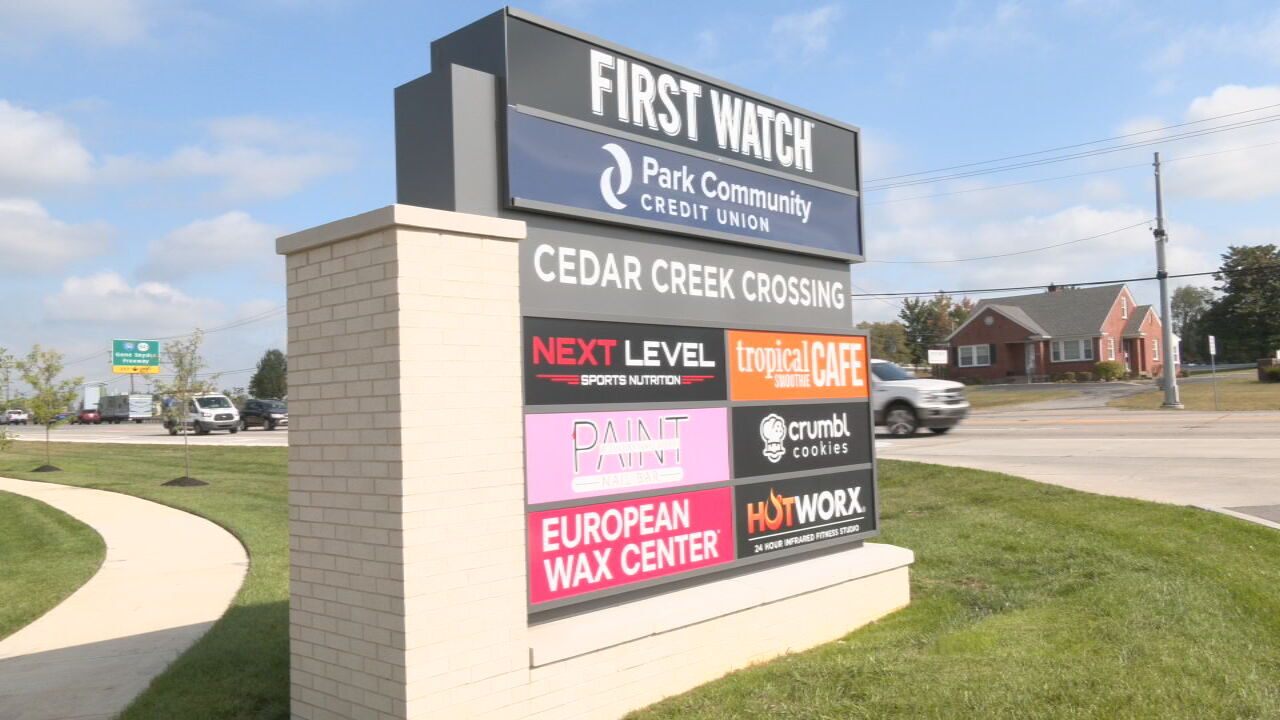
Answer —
(696, 404)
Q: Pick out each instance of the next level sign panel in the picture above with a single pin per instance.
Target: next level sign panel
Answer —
(580, 362)
(786, 514)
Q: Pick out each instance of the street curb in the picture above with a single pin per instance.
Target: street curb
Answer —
(1239, 515)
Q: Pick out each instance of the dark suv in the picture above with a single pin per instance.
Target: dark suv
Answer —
(269, 414)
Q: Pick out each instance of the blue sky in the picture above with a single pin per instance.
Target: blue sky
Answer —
(150, 152)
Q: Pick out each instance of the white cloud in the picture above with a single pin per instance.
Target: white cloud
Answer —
(33, 241)
(250, 157)
(27, 24)
(1231, 174)
(804, 35)
(1258, 39)
(233, 240)
(105, 301)
(38, 149)
(1005, 28)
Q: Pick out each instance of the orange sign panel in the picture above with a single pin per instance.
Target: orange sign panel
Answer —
(796, 366)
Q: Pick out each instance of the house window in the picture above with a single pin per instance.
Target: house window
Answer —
(1124, 306)
(1111, 348)
(1155, 350)
(1071, 350)
(1177, 354)
(974, 355)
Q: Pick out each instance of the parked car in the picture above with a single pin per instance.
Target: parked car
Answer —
(903, 403)
(88, 417)
(62, 417)
(14, 416)
(267, 414)
(207, 413)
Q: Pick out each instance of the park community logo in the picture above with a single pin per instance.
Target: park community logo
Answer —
(622, 164)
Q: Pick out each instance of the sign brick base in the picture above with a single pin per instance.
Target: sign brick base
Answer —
(408, 593)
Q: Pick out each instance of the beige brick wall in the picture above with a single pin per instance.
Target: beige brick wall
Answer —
(406, 484)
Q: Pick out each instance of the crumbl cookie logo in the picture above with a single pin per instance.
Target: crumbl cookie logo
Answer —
(772, 430)
(622, 164)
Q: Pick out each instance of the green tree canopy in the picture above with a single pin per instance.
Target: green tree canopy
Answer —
(888, 341)
(1187, 306)
(930, 322)
(1246, 316)
(271, 380)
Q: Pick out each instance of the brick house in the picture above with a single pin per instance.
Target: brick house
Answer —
(1063, 330)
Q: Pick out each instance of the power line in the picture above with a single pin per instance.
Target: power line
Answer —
(1069, 147)
(1079, 155)
(873, 296)
(229, 326)
(1009, 254)
(1072, 175)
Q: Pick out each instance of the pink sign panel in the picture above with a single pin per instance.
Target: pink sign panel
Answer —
(595, 547)
(570, 456)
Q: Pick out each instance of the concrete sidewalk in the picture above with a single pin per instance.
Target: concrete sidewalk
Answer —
(167, 577)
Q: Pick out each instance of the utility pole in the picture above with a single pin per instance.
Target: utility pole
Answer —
(1166, 320)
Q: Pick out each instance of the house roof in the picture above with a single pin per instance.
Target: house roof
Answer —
(1134, 326)
(1019, 316)
(1064, 313)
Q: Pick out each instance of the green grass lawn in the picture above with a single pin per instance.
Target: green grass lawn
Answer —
(1236, 391)
(240, 669)
(45, 555)
(1028, 601)
(980, 398)
(1033, 601)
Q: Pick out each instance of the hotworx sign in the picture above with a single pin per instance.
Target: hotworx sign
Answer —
(563, 166)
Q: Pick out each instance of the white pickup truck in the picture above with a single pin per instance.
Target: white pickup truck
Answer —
(903, 403)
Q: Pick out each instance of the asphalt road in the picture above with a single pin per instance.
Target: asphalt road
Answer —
(149, 433)
(1219, 460)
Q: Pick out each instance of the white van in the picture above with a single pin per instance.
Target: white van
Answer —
(206, 413)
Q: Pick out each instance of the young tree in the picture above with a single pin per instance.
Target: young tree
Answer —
(917, 322)
(6, 375)
(236, 395)
(183, 356)
(270, 382)
(1246, 317)
(49, 395)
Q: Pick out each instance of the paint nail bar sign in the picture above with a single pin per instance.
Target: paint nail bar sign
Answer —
(572, 456)
(587, 549)
(581, 362)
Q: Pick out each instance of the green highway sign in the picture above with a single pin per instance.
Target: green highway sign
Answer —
(130, 357)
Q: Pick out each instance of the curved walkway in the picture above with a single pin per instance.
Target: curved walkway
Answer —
(167, 577)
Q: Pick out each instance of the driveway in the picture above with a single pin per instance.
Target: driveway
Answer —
(1225, 461)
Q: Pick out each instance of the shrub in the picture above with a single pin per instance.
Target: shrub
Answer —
(1057, 377)
(1069, 376)
(1109, 370)
(971, 380)
(1271, 374)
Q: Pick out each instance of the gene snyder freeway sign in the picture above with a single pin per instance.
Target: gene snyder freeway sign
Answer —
(135, 357)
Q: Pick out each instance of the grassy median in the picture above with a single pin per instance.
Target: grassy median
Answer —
(239, 669)
(1029, 600)
(980, 398)
(1033, 601)
(45, 555)
(1236, 391)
